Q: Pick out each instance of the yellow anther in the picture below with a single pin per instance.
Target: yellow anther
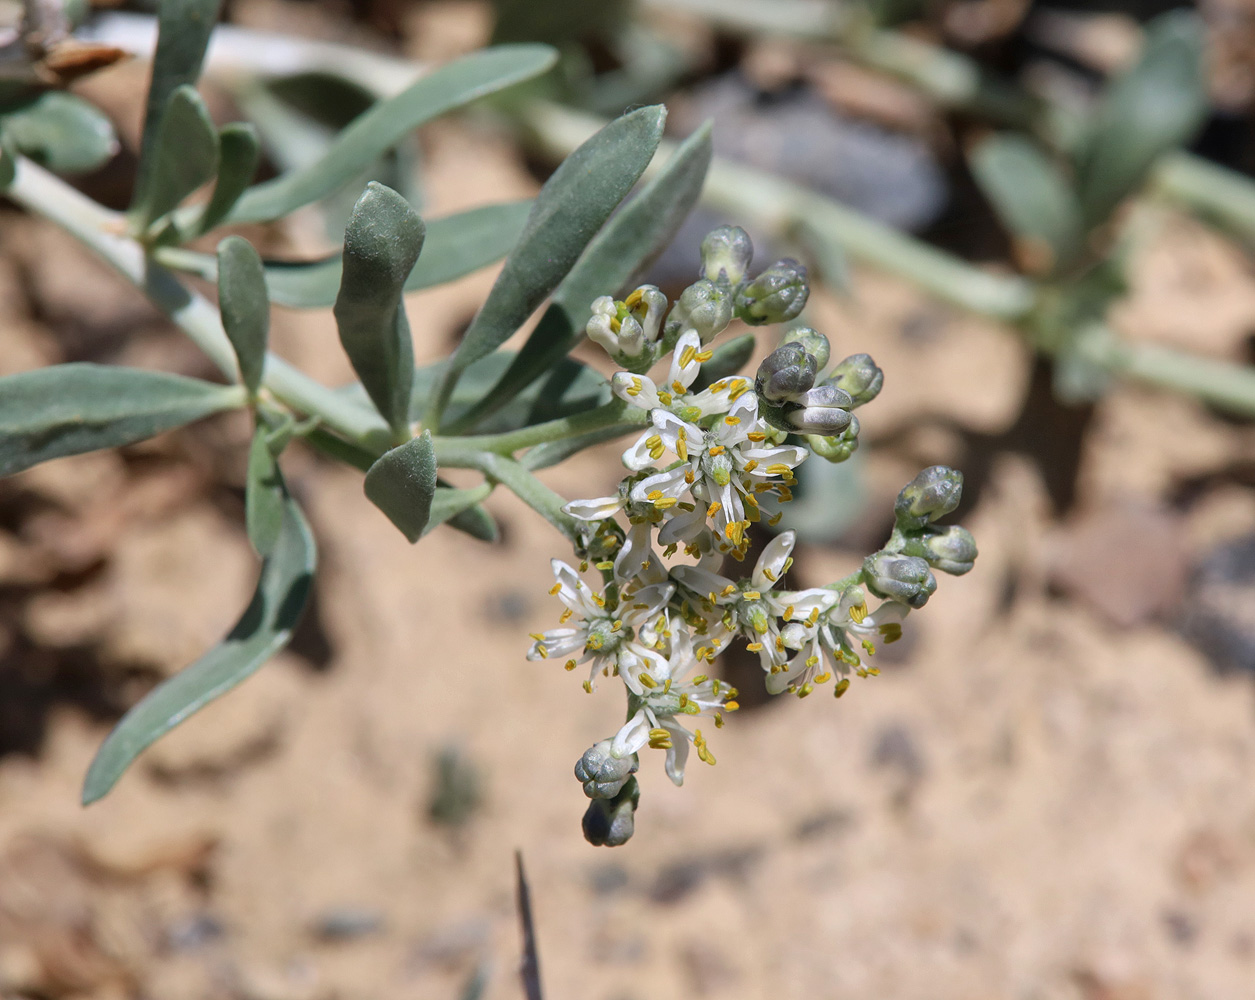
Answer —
(648, 680)
(873, 671)
(555, 589)
(565, 616)
(716, 450)
(812, 662)
(678, 387)
(686, 358)
(633, 299)
(751, 465)
(731, 420)
(752, 595)
(664, 397)
(778, 469)
(892, 631)
(682, 448)
(731, 706)
(616, 625)
(606, 565)
(704, 356)
(738, 390)
(728, 590)
(654, 496)
(813, 617)
(594, 643)
(842, 687)
(823, 678)
(718, 720)
(666, 503)
(700, 679)
(666, 687)
(636, 388)
(869, 646)
(858, 613)
(599, 600)
(775, 518)
(583, 565)
(754, 647)
(714, 508)
(689, 478)
(756, 436)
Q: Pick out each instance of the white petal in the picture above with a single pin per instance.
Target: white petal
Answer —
(638, 457)
(772, 561)
(686, 374)
(701, 581)
(638, 390)
(678, 755)
(594, 510)
(633, 736)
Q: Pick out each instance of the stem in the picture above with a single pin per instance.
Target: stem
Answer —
(611, 414)
(454, 454)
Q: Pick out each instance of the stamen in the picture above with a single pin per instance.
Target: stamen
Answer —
(555, 589)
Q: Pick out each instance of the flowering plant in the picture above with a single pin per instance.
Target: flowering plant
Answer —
(714, 455)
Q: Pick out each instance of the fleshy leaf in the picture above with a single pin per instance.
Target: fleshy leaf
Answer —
(623, 249)
(244, 306)
(451, 86)
(265, 628)
(1154, 107)
(239, 151)
(383, 240)
(263, 495)
(575, 202)
(70, 409)
(184, 157)
(455, 246)
(402, 484)
(1032, 197)
(62, 132)
(183, 30)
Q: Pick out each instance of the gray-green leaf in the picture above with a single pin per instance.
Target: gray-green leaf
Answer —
(1032, 197)
(449, 87)
(264, 629)
(239, 151)
(183, 30)
(62, 132)
(244, 306)
(1154, 107)
(383, 240)
(622, 251)
(573, 205)
(263, 495)
(402, 484)
(184, 157)
(461, 510)
(69, 409)
(455, 246)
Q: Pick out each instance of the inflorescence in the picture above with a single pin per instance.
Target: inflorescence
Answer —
(720, 451)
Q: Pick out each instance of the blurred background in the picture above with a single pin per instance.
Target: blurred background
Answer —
(1047, 794)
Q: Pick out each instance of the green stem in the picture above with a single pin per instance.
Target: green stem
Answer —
(454, 453)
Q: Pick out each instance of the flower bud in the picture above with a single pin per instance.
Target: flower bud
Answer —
(775, 296)
(647, 306)
(704, 307)
(726, 255)
(812, 342)
(934, 493)
(599, 328)
(611, 822)
(859, 376)
(823, 410)
(785, 372)
(951, 549)
(602, 774)
(895, 577)
(837, 447)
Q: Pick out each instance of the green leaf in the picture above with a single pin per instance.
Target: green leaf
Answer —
(622, 251)
(455, 246)
(575, 202)
(726, 360)
(244, 306)
(239, 151)
(8, 159)
(265, 628)
(1032, 197)
(383, 240)
(449, 87)
(70, 409)
(1154, 107)
(184, 157)
(402, 484)
(263, 495)
(62, 132)
(183, 30)
(461, 509)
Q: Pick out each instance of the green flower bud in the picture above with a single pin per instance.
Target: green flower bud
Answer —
(895, 577)
(951, 549)
(859, 376)
(704, 307)
(611, 822)
(837, 447)
(603, 775)
(775, 296)
(822, 410)
(812, 342)
(726, 254)
(934, 493)
(785, 372)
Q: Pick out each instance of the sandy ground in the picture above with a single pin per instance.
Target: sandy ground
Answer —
(1048, 796)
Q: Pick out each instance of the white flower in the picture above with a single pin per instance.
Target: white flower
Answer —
(668, 694)
(751, 608)
(598, 631)
(831, 640)
(673, 394)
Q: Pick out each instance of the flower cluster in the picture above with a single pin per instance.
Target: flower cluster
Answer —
(716, 446)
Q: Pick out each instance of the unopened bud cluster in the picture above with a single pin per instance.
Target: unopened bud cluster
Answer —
(683, 514)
